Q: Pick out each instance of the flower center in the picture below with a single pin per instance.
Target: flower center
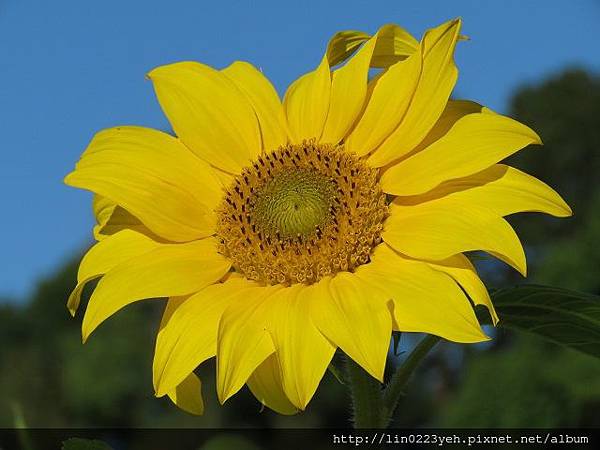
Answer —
(294, 203)
(300, 213)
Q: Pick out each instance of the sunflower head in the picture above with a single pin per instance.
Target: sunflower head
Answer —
(281, 231)
(300, 213)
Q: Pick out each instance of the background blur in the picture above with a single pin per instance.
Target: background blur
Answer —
(69, 69)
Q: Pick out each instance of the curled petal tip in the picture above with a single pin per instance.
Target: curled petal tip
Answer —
(67, 178)
(160, 390)
(151, 73)
(569, 210)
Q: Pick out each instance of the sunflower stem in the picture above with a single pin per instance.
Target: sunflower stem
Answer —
(365, 392)
(395, 387)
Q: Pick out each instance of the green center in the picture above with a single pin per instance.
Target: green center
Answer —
(294, 202)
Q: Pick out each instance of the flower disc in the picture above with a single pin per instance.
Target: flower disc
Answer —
(300, 213)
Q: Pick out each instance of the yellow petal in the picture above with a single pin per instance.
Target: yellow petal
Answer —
(462, 271)
(243, 342)
(265, 384)
(475, 142)
(208, 113)
(306, 103)
(103, 209)
(351, 316)
(343, 44)
(440, 229)
(112, 218)
(324, 106)
(188, 395)
(393, 45)
(265, 102)
(303, 353)
(154, 177)
(438, 75)
(173, 303)
(424, 300)
(388, 103)
(225, 178)
(503, 189)
(168, 270)
(189, 336)
(104, 256)
(348, 93)
(454, 110)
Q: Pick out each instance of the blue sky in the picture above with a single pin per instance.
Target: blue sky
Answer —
(71, 68)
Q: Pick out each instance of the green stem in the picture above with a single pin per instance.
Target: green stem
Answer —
(395, 387)
(365, 392)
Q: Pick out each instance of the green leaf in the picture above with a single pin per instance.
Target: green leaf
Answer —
(84, 444)
(562, 316)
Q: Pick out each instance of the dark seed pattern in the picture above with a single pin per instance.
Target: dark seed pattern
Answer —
(301, 213)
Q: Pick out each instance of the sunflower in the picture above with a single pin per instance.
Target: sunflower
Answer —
(282, 231)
